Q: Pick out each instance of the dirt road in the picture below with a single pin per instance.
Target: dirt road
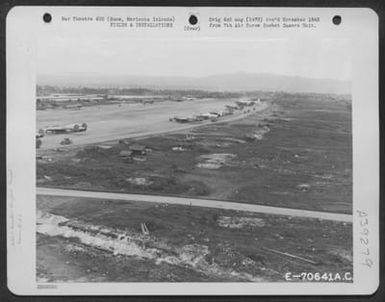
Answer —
(110, 122)
(199, 203)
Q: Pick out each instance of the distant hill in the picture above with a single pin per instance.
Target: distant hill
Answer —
(225, 82)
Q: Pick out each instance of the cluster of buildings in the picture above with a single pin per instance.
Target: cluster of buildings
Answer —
(67, 97)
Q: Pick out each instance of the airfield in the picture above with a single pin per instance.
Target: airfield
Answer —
(123, 120)
(244, 198)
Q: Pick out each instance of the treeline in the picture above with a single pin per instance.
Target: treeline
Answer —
(48, 90)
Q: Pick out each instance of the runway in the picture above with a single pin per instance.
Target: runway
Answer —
(113, 122)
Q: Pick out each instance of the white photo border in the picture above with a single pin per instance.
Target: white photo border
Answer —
(23, 27)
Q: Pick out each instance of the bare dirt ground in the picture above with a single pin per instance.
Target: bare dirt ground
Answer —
(111, 122)
(85, 240)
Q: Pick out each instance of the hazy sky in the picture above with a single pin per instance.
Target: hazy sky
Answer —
(109, 55)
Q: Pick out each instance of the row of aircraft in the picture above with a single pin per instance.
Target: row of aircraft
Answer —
(196, 118)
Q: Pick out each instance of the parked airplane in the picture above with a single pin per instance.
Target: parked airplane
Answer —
(77, 127)
(208, 115)
(245, 103)
(184, 119)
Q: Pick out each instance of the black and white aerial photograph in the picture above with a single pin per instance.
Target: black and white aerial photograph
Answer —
(193, 160)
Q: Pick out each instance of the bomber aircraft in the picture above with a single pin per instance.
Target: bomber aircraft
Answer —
(76, 127)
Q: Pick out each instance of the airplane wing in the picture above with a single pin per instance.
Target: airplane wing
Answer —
(56, 128)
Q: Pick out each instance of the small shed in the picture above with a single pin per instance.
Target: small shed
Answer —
(137, 149)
